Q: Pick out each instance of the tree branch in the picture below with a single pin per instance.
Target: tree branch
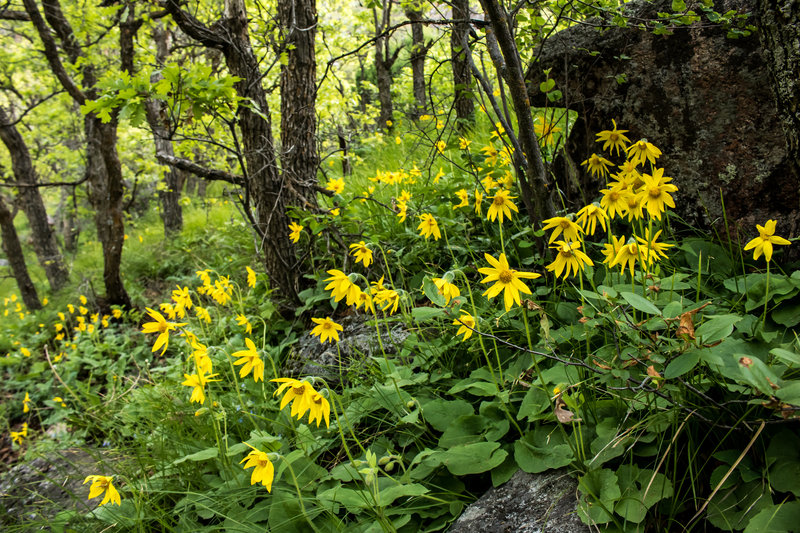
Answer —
(199, 170)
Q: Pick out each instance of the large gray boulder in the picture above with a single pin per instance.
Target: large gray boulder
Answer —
(527, 503)
(704, 99)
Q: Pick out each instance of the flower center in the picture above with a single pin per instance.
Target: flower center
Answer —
(506, 276)
(498, 200)
(613, 196)
(614, 137)
(327, 325)
(654, 192)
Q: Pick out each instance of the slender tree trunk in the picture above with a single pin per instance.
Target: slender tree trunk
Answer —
(67, 223)
(384, 60)
(462, 73)
(418, 52)
(16, 258)
(299, 157)
(534, 187)
(779, 30)
(44, 239)
(170, 196)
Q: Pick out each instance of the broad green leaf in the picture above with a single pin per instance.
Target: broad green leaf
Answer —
(432, 292)
(424, 314)
(640, 489)
(202, 455)
(640, 303)
(533, 404)
(469, 458)
(788, 357)
(542, 449)
(780, 518)
(440, 413)
(716, 328)
(390, 494)
(465, 429)
(682, 364)
(600, 491)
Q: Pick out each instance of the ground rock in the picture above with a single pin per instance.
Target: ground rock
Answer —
(358, 342)
(702, 98)
(527, 503)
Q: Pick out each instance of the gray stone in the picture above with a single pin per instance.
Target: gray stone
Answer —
(358, 342)
(527, 503)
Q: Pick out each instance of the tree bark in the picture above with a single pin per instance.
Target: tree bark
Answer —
(44, 239)
(16, 258)
(384, 60)
(534, 188)
(418, 52)
(462, 73)
(299, 155)
(778, 23)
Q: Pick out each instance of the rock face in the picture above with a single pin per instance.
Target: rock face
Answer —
(527, 503)
(705, 100)
(359, 340)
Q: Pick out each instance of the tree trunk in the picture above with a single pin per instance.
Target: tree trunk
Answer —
(779, 31)
(299, 155)
(384, 60)
(16, 258)
(170, 196)
(68, 226)
(418, 52)
(534, 188)
(462, 74)
(44, 239)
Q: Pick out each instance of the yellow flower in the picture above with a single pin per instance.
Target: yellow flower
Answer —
(501, 206)
(425, 117)
(82, 299)
(614, 199)
(160, 326)
(336, 185)
(342, 287)
(446, 289)
(201, 359)
(635, 205)
(326, 329)
(440, 146)
(59, 400)
(303, 398)
(404, 197)
(204, 277)
(629, 254)
(263, 469)
(478, 200)
(463, 143)
(182, 298)
(507, 280)
(362, 253)
(398, 140)
(198, 382)
(439, 124)
(251, 277)
(101, 484)
(465, 322)
(439, 175)
(251, 361)
(655, 193)
(559, 225)
(766, 238)
(294, 232)
(498, 131)
(242, 321)
(610, 250)
(24, 351)
(597, 165)
(642, 151)
(26, 403)
(570, 258)
(335, 212)
(463, 195)
(365, 300)
(389, 298)
(83, 310)
(545, 132)
(613, 138)
(654, 249)
(389, 125)
(18, 436)
(202, 314)
(429, 227)
(71, 309)
(402, 211)
(589, 216)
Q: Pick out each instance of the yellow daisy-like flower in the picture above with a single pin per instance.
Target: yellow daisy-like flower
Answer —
(202, 314)
(766, 238)
(545, 132)
(26, 403)
(614, 199)
(440, 146)
(398, 140)
(242, 321)
(303, 398)
(642, 151)
(597, 165)
(319, 409)
(613, 139)
(610, 250)
(263, 469)
(634, 205)
(507, 280)
(336, 186)
(429, 227)
(501, 206)
(198, 382)
(251, 361)
(463, 143)
(446, 289)
(654, 249)
(559, 225)
(404, 197)
(101, 484)
(362, 253)
(465, 322)
(402, 211)
(589, 216)
(570, 258)
(342, 287)
(251, 277)
(388, 298)
(160, 326)
(463, 196)
(19, 436)
(629, 254)
(295, 230)
(478, 200)
(326, 329)
(655, 193)
(182, 299)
